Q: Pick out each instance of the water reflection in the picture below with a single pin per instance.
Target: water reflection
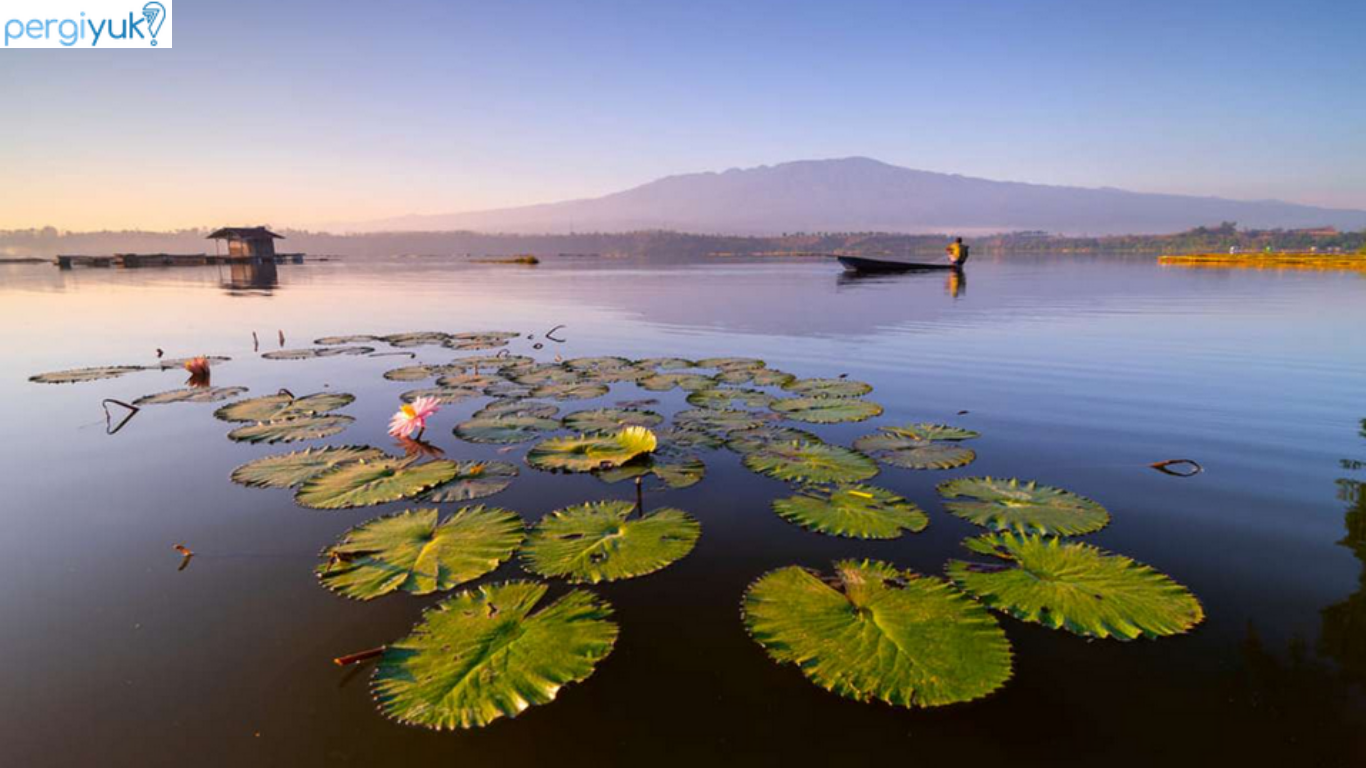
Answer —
(1343, 638)
(251, 279)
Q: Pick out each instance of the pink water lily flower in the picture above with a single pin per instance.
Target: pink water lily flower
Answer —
(197, 366)
(411, 419)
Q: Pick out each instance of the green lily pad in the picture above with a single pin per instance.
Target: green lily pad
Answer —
(673, 468)
(191, 395)
(899, 450)
(283, 406)
(810, 463)
(856, 511)
(504, 430)
(687, 439)
(366, 483)
(665, 363)
(363, 338)
(311, 353)
(750, 440)
(416, 339)
(77, 375)
(1025, 507)
(596, 363)
(719, 421)
(482, 654)
(483, 363)
(736, 375)
(600, 541)
(585, 453)
(609, 419)
(879, 633)
(412, 552)
(509, 389)
(770, 377)
(473, 480)
(826, 410)
(730, 363)
(485, 335)
(827, 387)
(570, 391)
(442, 395)
(730, 399)
(291, 430)
(517, 407)
(287, 470)
(474, 382)
(689, 382)
(927, 431)
(629, 375)
(417, 372)
(1076, 587)
(542, 375)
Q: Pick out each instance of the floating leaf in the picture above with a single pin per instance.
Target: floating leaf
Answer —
(857, 511)
(730, 363)
(504, 429)
(811, 463)
(517, 407)
(77, 375)
(932, 432)
(827, 387)
(416, 339)
(672, 467)
(479, 363)
(584, 453)
(485, 335)
(482, 654)
(615, 376)
(570, 391)
(771, 377)
(412, 552)
(665, 363)
(736, 375)
(900, 450)
(879, 633)
(287, 470)
(680, 439)
(475, 382)
(1076, 587)
(311, 353)
(542, 375)
(609, 419)
(1026, 507)
(291, 430)
(417, 372)
(283, 406)
(509, 389)
(365, 483)
(600, 541)
(473, 480)
(826, 410)
(596, 363)
(730, 398)
(719, 421)
(750, 440)
(362, 338)
(689, 382)
(191, 395)
(442, 395)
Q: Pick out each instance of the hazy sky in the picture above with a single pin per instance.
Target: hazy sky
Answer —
(302, 113)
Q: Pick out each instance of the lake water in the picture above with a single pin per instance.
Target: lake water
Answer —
(1078, 372)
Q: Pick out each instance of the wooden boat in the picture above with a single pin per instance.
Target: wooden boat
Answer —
(860, 264)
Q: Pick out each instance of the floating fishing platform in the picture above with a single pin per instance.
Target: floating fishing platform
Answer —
(131, 260)
(1284, 260)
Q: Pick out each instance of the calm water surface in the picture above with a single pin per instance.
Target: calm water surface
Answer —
(1078, 372)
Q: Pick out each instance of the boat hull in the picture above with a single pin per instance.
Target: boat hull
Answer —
(860, 264)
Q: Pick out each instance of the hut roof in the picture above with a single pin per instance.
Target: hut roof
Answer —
(243, 233)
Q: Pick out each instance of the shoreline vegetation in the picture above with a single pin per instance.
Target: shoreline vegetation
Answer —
(1282, 260)
(664, 246)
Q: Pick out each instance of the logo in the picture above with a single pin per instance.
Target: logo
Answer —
(86, 24)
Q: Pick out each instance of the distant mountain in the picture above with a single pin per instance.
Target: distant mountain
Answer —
(858, 194)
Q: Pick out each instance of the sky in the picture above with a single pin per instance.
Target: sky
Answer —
(306, 113)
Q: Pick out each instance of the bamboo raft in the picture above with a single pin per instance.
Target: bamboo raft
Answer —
(1306, 261)
(132, 260)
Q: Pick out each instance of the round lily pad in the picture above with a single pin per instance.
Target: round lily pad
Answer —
(1076, 587)
(1025, 507)
(689, 382)
(770, 377)
(413, 552)
(517, 407)
(415, 339)
(827, 387)
(483, 654)
(928, 431)
(578, 391)
(283, 406)
(900, 450)
(609, 419)
(473, 480)
(191, 395)
(856, 511)
(287, 470)
(826, 410)
(378, 481)
(416, 372)
(504, 430)
(600, 541)
(877, 633)
(475, 382)
(673, 468)
(77, 375)
(719, 421)
(596, 363)
(750, 440)
(291, 430)
(665, 363)
(442, 395)
(811, 463)
(362, 338)
(730, 363)
(311, 353)
(509, 389)
(732, 399)
(585, 453)
(546, 374)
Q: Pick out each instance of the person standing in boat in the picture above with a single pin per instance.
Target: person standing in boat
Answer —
(958, 252)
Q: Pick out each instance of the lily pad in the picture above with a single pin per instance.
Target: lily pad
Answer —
(750, 440)
(485, 335)
(900, 450)
(361, 338)
(596, 363)
(509, 389)
(826, 410)
(932, 432)
(413, 552)
(770, 377)
(1024, 507)
(689, 382)
(283, 406)
(827, 387)
(365, 483)
(504, 430)
(736, 375)
(542, 375)
(665, 363)
(415, 339)
(719, 421)
(517, 407)
(570, 391)
(287, 470)
(191, 395)
(310, 353)
(474, 382)
(291, 430)
(77, 375)
(878, 633)
(732, 399)
(811, 463)
(178, 363)
(600, 541)
(442, 395)
(616, 376)
(673, 468)
(1076, 587)
(609, 419)
(417, 372)
(730, 363)
(482, 654)
(584, 453)
(473, 480)
(481, 363)
(687, 439)
(856, 511)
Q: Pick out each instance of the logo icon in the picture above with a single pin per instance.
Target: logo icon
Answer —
(156, 16)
